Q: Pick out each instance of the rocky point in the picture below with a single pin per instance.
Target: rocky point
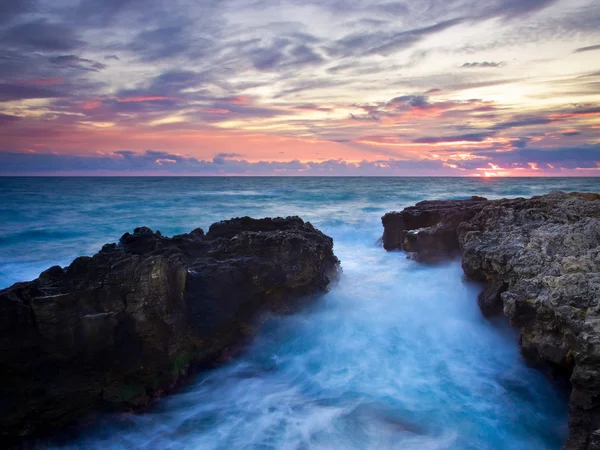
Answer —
(114, 330)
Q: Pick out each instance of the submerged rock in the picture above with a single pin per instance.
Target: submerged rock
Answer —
(116, 329)
(539, 260)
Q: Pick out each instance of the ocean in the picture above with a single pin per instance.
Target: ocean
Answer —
(395, 356)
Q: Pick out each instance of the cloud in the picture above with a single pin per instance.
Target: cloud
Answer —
(290, 51)
(166, 42)
(521, 142)
(14, 91)
(10, 9)
(168, 163)
(319, 71)
(160, 162)
(585, 111)
(414, 101)
(385, 43)
(228, 155)
(366, 117)
(7, 119)
(582, 157)
(482, 65)
(587, 49)
(469, 137)
(40, 35)
(77, 63)
(512, 9)
(525, 121)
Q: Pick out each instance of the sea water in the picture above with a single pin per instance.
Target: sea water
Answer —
(396, 355)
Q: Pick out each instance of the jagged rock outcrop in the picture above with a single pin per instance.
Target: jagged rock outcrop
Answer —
(428, 229)
(539, 260)
(118, 328)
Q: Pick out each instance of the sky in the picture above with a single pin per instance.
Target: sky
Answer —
(300, 87)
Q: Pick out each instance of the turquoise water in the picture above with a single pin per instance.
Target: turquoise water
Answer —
(396, 355)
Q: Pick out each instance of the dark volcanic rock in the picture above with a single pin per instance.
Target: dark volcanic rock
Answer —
(540, 261)
(118, 328)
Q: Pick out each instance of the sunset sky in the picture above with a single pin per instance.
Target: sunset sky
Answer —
(300, 87)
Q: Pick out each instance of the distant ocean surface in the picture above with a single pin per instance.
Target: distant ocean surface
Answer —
(395, 356)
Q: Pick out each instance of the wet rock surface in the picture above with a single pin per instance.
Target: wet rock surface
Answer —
(115, 330)
(539, 260)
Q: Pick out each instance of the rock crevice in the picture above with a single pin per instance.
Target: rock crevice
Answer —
(539, 260)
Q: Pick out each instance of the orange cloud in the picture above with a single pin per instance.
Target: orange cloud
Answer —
(216, 111)
(90, 104)
(240, 100)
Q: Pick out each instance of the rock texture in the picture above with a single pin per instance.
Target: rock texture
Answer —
(121, 327)
(429, 229)
(539, 260)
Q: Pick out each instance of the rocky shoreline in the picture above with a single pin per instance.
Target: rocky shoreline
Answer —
(539, 262)
(113, 331)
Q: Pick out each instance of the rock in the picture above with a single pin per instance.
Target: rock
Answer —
(428, 229)
(114, 330)
(539, 260)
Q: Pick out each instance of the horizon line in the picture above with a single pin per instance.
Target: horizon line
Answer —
(477, 177)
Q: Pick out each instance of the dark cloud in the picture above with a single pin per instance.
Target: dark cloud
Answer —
(587, 49)
(103, 13)
(10, 9)
(393, 8)
(583, 157)
(267, 58)
(312, 107)
(40, 35)
(173, 81)
(222, 158)
(469, 137)
(109, 57)
(7, 119)
(414, 101)
(527, 121)
(13, 91)
(511, 9)
(76, 62)
(285, 53)
(402, 107)
(384, 42)
(521, 142)
(166, 43)
(482, 65)
(584, 111)
(570, 133)
(366, 117)
(125, 161)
